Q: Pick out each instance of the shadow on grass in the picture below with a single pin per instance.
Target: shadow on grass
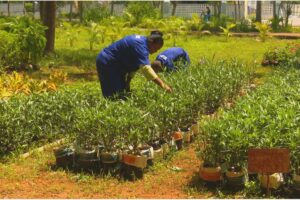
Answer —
(117, 170)
(76, 57)
(86, 76)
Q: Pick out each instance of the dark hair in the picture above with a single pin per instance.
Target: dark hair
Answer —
(156, 36)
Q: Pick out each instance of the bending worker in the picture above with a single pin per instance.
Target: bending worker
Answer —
(117, 63)
(170, 58)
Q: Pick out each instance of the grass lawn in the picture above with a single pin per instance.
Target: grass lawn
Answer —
(79, 62)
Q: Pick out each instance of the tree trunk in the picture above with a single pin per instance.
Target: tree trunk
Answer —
(71, 11)
(288, 12)
(258, 11)
(217, 8)
(33, 10)
(8, 8)
(112, 7)
(174, 3)
(42, 10)
(80, 7)
(49, 21)
(24, 10)
(274, 9)
(239, 10)
(235, 11)
(162, 9)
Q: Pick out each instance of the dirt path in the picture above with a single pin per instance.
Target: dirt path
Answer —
(34, 178)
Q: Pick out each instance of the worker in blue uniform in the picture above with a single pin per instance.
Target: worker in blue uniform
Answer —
(170, 59)
(117, 63)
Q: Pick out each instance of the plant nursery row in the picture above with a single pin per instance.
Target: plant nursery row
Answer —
(268, 117)
(82, 115)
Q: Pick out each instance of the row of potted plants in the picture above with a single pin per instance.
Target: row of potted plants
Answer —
(266, 118)
(123, 161)
(148, 113)
(80, 111)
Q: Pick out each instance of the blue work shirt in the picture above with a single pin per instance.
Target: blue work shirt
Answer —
(126, 55)
(171, 55)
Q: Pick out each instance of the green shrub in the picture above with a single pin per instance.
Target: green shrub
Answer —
(28, 44)
(95, 14)
(136, 11)
(29, 7)
(275, 24)
(40, 118)
(263, 29)
(288, 56)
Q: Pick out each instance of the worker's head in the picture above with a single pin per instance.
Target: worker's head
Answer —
(155, 41)
(157, 66)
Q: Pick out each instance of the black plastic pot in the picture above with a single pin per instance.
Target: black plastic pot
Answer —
(192, 138)
(148, 151)
(252, 176)
(88, 161)
(155, 144)
(131, 173)
(110, 163)
(179, 144)
(296, 185)
(235, 178)
(64, 157)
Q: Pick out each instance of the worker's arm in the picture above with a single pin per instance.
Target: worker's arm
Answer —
(150, 74)
(187, 58)
(128, 78)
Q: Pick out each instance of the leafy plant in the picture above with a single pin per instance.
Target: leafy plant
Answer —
(263, 30)
(287, 56)
(195, 23)
(94, 35)
(29, 42)
(174, 28)
(275, 23)
(226, 31)
(95, 14)
(136, 11)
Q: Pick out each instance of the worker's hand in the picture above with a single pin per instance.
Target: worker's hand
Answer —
(168, 88)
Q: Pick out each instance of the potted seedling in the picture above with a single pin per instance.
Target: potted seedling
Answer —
(87, 158)
(235, 175)
(64, 156)
(210, 170)
(136, 131)
(156, 144)
(92, 134)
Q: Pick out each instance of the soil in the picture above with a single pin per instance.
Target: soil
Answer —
(34, 177)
